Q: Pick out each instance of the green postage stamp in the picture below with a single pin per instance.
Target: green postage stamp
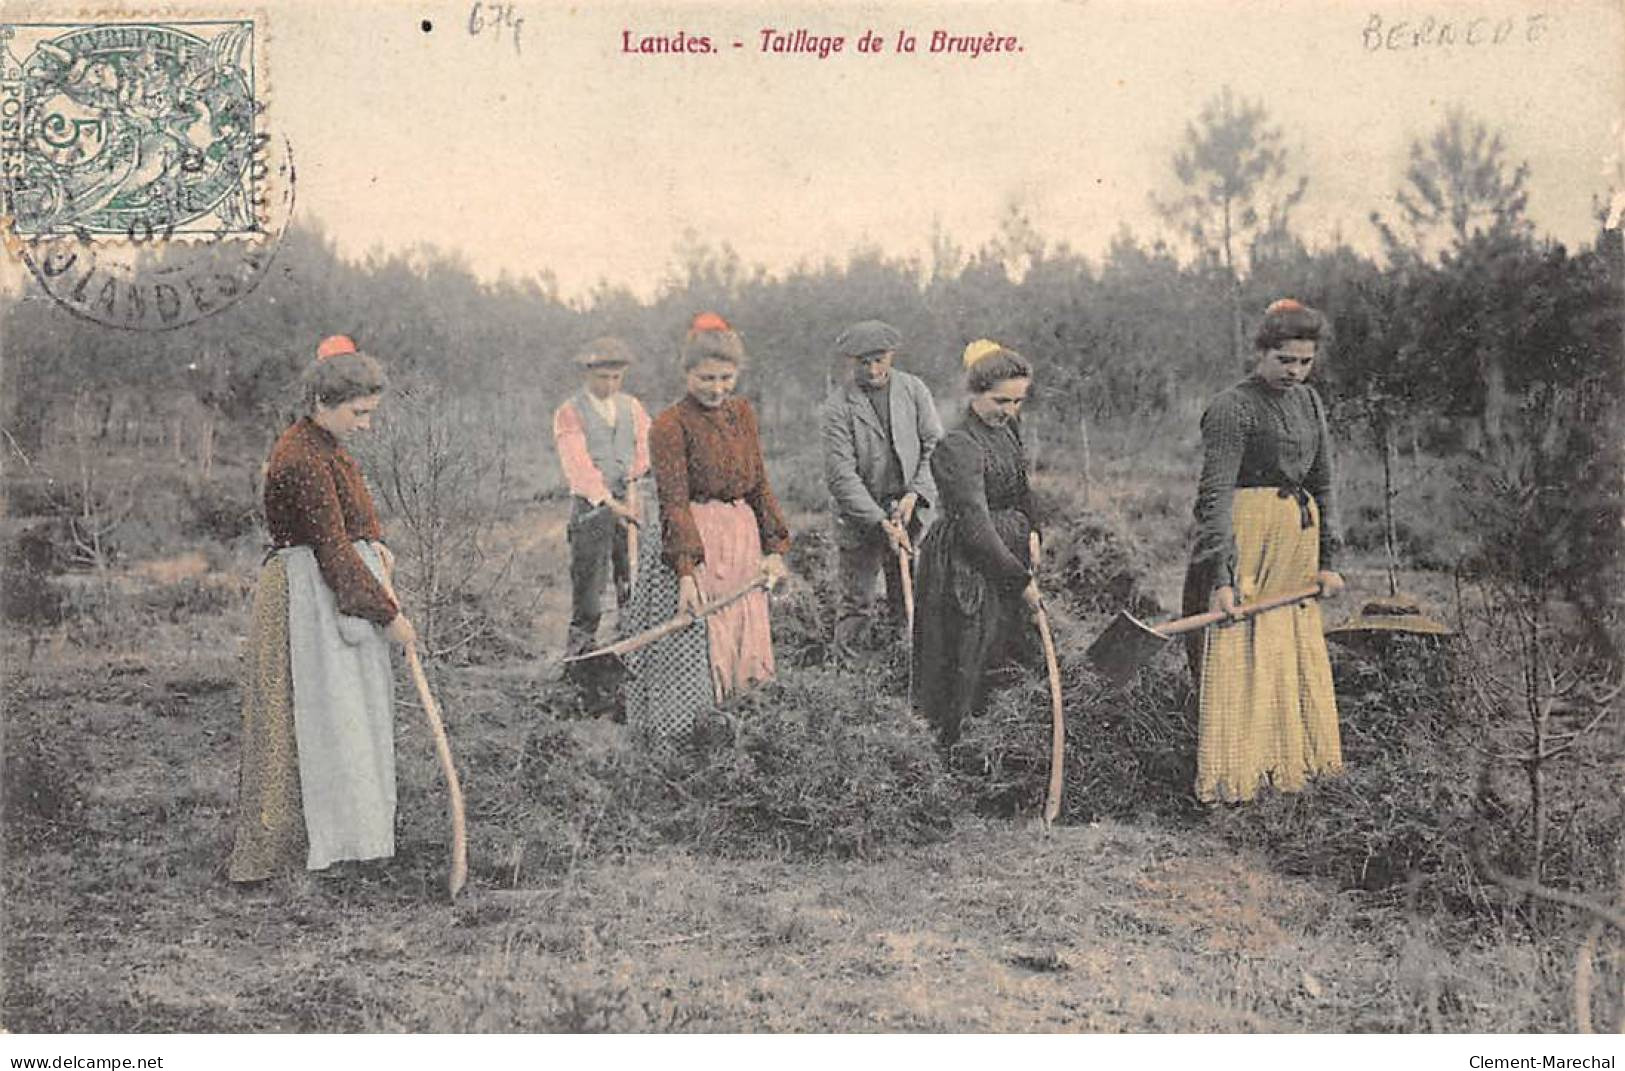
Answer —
(126, 138)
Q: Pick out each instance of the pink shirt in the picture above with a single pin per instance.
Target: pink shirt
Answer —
(571, 440)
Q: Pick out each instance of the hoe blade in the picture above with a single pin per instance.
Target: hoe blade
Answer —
(1124, 646)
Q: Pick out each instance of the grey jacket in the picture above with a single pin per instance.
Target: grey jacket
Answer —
(855, 449)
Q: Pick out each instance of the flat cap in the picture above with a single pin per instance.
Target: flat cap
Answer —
(604, 352)
(866, 338)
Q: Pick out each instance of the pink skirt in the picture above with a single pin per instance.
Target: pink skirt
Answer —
(739, 635)
(674, 681)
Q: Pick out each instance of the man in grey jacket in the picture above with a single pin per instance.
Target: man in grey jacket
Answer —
(879, 429)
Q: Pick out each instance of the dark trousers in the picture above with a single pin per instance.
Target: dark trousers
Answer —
(862, 568)
(597, 553)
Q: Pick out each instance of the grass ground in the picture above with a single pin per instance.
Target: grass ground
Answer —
(121, 757)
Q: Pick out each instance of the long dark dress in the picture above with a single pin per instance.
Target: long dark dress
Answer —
(969, 615)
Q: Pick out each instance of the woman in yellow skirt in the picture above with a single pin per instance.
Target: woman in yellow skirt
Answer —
(317, 772)
(1263, 511)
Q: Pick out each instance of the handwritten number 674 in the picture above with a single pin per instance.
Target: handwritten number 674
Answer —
(494, 17)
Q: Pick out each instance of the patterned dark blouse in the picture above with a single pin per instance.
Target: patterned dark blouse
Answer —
(968, 614)
(1255, 436)
(705, 455)
(981, 475)
(315, 497)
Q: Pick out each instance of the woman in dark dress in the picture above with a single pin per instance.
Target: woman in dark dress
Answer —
(975, 588)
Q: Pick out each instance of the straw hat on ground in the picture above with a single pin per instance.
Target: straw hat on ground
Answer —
(1392, 613)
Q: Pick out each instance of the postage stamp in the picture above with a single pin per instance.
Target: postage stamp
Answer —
(140, 184)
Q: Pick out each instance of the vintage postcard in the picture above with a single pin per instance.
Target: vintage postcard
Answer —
(830, 517)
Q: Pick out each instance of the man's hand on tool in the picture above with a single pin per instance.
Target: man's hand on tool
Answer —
(622, 510)
(1031, 597)
(897, 535)
(903, 511)
(1331, 584)
(1224, 599)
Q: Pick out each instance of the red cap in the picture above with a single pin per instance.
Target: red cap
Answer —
(333, 345)
(1286, 304)
(709, 321)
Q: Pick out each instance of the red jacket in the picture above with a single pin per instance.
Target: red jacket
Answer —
(702, 455)
(315, 497)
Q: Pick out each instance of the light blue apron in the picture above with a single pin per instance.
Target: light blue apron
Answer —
(343, 703)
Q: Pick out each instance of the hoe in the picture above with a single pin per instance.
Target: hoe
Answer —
(1128, 642)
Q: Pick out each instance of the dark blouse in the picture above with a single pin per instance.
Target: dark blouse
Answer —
(981, 475)
(1255, 436)
(315, 497)
(704, 455)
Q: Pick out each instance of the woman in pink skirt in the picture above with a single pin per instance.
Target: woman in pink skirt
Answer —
(719, 526)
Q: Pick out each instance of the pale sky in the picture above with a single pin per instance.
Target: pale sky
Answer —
(566, 154)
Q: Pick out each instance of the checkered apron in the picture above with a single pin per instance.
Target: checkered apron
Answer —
(1268, 712)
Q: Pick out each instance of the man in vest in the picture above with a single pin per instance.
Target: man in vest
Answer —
(602, 436)
(879, 429)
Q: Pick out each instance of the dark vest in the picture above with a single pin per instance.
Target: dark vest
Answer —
(611, 449)
(892, 483)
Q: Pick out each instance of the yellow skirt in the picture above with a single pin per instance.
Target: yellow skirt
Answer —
(1267, 706)
(270, 814)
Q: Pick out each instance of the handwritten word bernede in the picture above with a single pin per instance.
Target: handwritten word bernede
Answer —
(1479, 31)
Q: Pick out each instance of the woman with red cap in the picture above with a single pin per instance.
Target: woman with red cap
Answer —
(318, 760)
(1263, 512)
(720, 526)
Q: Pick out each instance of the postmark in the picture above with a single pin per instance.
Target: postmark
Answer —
(141, 185)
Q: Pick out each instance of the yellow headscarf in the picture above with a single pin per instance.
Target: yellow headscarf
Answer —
(982, 347)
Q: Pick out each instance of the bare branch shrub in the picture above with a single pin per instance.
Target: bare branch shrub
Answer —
(441, 473)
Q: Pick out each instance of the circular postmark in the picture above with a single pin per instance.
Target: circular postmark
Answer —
(139, 185)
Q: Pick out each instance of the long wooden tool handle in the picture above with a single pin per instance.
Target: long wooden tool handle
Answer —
(1057, 752)
(632, 534)
(448, 767)
(677, 623)
(1213, 617)
(905, 574)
